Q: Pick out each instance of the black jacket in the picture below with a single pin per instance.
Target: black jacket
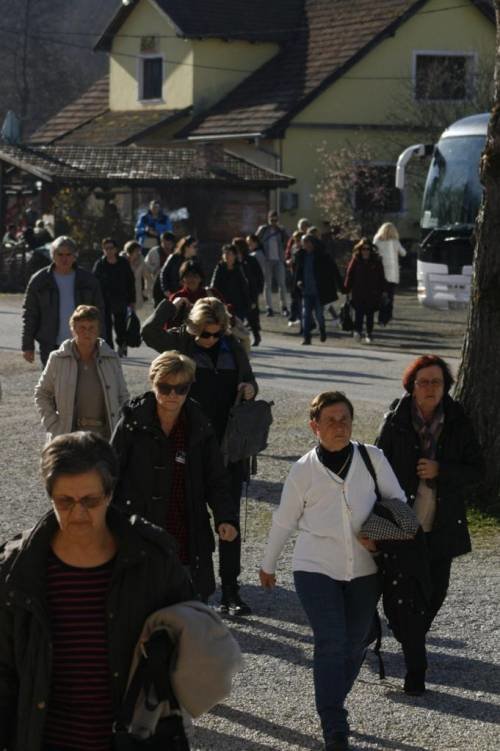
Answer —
(154, 335)
(326, 273)
(145, 478)
(233, 286)
(41, 305)
(147, 576)
(117, 282)
(255, 277)
(169, 274)
(460, 469)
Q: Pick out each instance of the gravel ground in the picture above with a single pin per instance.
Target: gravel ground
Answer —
(272, 705)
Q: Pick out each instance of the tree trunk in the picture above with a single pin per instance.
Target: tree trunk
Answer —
(478, 386)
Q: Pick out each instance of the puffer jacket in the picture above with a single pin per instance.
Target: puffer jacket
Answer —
(460, 469)
(41, 305)
(147, 576)
(56, 389)
(145, 478)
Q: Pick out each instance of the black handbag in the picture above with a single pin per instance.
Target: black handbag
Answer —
(152, 672)
(133, 335)
(345, 316)
(247, 429)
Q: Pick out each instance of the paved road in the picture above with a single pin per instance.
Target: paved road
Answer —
(367, 373)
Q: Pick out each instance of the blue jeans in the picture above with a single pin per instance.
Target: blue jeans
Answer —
(311, 303)
(340, 614)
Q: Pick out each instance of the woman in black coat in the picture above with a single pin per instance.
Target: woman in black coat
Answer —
(75, 592)
(222, 370)
(186, 248)
(229, 279)
(431, 446)
(171, 467)
(255, 278)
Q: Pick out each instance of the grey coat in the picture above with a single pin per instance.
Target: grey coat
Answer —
(55, 391)
(41, 305)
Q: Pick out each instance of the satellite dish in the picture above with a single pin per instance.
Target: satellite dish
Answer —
(11, 128)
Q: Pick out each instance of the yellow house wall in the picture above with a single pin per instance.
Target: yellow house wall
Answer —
(220, 66)
(147, 20)
(364, 96)
(370, 91)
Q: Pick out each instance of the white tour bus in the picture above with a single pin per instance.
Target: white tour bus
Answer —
(451, 200)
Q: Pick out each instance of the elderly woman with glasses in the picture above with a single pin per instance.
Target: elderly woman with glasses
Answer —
(76, 591)
(431, 446)
(171, 467)
(222, 370)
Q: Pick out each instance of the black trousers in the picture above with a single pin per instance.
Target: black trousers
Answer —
(118, 319)
(45, 350)
(362, 312)
(230, 552)
(253, 318)
(414, 651)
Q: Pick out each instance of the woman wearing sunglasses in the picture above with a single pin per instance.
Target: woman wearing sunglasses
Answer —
(222, 370)
(171, 467)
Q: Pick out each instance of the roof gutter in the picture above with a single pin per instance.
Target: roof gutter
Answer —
(227, 137)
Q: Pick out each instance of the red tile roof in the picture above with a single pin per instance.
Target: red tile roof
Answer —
(337, 34)
(255, 20)
(140, 165)
(94, 102)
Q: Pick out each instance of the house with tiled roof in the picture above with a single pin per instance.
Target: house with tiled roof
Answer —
(275, 80)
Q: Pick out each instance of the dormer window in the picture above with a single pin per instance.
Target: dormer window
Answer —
(151, 78)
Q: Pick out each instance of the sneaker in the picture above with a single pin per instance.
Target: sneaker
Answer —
(284, 312)
(414, 684)
(368, 340)
(294, 322)
(269, 312)
(357, 336)
(231, 602)
(338, 742)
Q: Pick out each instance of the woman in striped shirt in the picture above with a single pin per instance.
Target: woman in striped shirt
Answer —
(74, 594)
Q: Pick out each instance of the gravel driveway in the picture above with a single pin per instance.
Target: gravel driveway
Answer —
(272, 705)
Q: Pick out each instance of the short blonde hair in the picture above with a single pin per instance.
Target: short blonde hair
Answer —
(207, 311)
(387, 231)
(85, 313)
(172, 363)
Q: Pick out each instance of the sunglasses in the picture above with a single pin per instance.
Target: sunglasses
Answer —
(88, 502)
(209, 335)
(181, 389)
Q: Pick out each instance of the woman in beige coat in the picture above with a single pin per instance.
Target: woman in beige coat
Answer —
(82, 386)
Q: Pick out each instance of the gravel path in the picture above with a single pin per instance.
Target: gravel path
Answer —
(272, 705)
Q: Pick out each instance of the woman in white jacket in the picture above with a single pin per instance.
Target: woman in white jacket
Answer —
(82, 386)
(390, 251)
(328, 495)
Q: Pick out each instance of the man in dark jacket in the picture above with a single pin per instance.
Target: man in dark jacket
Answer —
(118, 289)
(51, 296)
(318, 279)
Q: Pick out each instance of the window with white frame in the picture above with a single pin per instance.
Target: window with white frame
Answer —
(151, 78)
(443, 76)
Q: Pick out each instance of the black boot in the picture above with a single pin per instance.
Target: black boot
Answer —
(256, 339)
(231, 602)
(322, 334)
(415, 682)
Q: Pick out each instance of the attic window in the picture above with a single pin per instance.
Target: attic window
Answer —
(443, 77)
(151, 78)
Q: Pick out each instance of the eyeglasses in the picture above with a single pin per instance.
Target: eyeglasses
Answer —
(181, 389)
(89, 502)
(210, 335)
(423, 382)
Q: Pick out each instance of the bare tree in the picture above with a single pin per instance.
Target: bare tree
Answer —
(478, 386)
(355, 190)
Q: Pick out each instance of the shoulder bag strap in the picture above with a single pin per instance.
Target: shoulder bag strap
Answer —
(369, 466)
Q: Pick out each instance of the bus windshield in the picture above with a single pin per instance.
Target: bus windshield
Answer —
(453, 191)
